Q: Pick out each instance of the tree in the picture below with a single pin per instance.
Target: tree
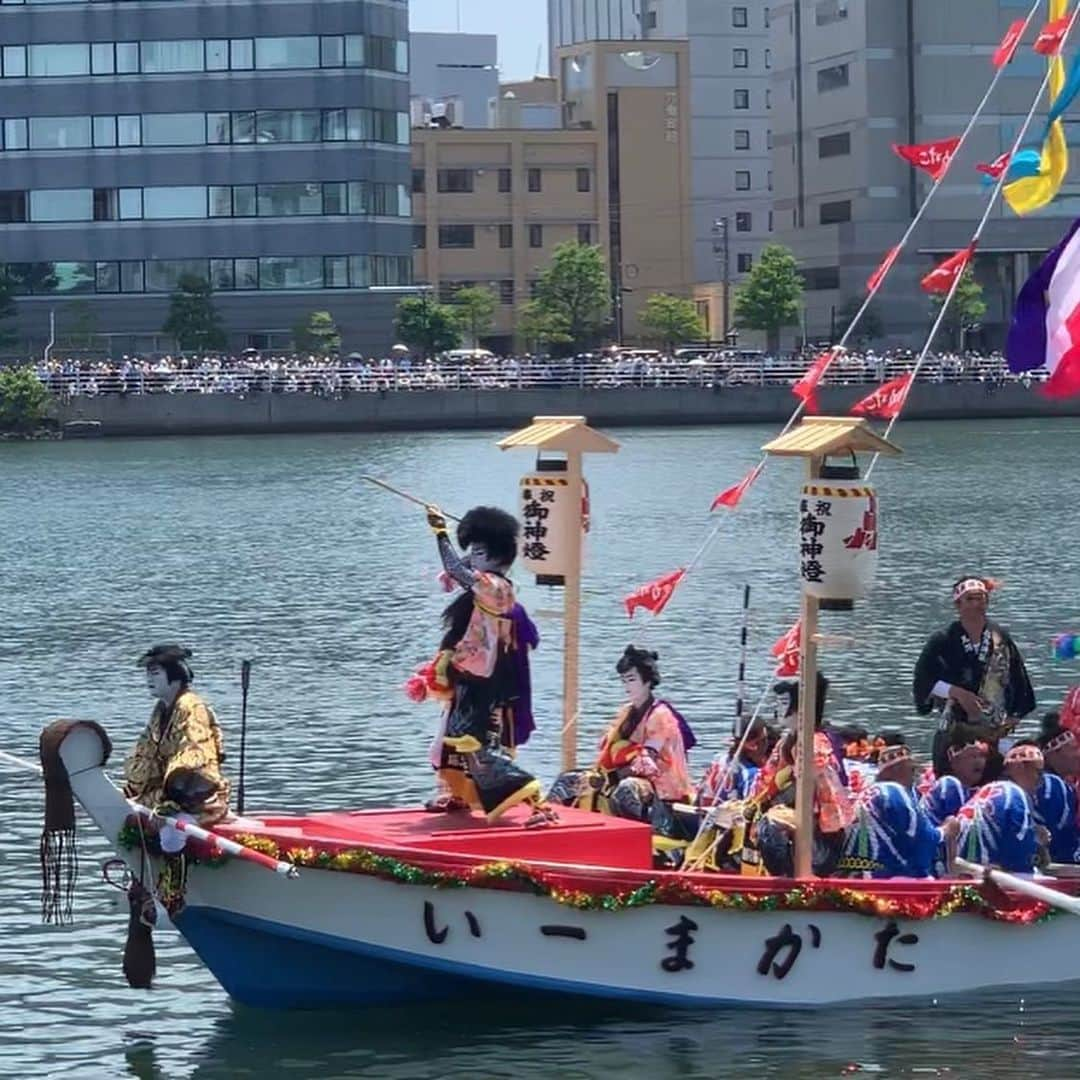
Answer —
(24, 401)
(317, 334)
(543, 329)
(475, 309)
(671, 320)
(427, 326)
(870, 326)
(575, 289)
(193, 320)
(770, 298)
(8, 310)
(967, 310)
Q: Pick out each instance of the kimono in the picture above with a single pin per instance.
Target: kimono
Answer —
(726, 780)
(892, 835)
(945, 798)
(1054, 806)
(997, 827)
(176, 763)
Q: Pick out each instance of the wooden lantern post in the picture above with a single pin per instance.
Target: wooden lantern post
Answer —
(815, 439)
(571, 438)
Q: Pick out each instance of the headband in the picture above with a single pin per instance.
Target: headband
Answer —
(890, 755)
(1059, 741)
(955, 752)
(969, 585)
(1024, 755)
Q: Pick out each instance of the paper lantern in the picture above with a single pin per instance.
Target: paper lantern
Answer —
(550, 524)
(838, 540)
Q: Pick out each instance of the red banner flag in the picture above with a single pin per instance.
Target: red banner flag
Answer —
(1064, 381)
(786, 650)
(931, 157)
(654, 597)
(1009, 44)
(996, 167)
(806, 387)
(732, 496)
(878, 276)
(887, 400)
(1048, 43)
(940, 279)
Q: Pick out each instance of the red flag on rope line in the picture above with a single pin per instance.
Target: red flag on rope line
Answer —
(887, 400)
(878, 275)
(932, 157)
(806, 387)
(786, 651)
(1009, 44)
(732, 496)
(996, 167)
(1048, 43)
(940, 279)
(654, 597)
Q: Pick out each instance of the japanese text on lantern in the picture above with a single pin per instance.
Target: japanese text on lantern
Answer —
(812, 525)
(536, 510)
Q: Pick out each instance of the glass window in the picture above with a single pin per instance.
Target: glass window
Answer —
(102, 58)
(834, 213)
(506, 236)
(291, 272)
(241, 54)
(354, 50)
(127, 57)
(742, 179)
(360, 198)
(535, 180)
(173, 129)
(131, 277)
(14, 61)
(220, 201)
(289, 200)
(506, 181)
(129, 130)
(830, 11)
(217, 128)
(107, 277)
(455, 180)
(286, 52)
(74, 277)
(744, 221)
(336, 271)
(221, 274)
(404, 201)
(12, 206)
(59, 132)
(332, 51)
(62, 204)
(740, 58)
(738, 17)
(584, 234)
(288, 126)
(243, 127)
(419, 179)
(838, 145)
(165, 56)
(131, 208)
(401, 57)
(536, 236)
(419, 237)
(217, 54)
(335, 198)
(47, 60)
(742, 99)
(506, 291)
(832, 78)
(244, 201)
(361, 125)
(106, 204)
(360, 271)
(742, 139)
(104, 130)
(333, 125)
(174, 202)
(404, 129)
(163, 275)
(744, 263)
(15, 137)
(584, 180)
(246, 273)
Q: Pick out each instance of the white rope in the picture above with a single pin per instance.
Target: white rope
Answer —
(22, 763)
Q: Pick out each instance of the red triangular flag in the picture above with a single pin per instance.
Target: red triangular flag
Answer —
(931, 157)
(786, 650)
(1007, 49)
(940, 279)
(732, 496)
(878, 276)
(806, 387)
(1048, 43)
(654, 597)
(887, 400)
(996, 167)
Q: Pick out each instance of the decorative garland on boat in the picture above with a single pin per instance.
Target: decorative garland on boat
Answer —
(503, 874)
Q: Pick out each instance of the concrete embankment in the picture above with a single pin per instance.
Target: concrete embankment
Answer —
(215, 414)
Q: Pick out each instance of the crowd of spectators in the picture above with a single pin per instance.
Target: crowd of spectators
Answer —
(253, 372)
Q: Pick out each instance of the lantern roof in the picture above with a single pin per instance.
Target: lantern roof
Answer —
(818, 436)
(570, 434)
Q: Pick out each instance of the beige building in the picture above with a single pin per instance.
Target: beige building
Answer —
(490, 206)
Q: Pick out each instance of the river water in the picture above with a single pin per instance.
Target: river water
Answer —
(274, 548)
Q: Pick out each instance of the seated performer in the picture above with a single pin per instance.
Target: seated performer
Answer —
(1055, 802)
(642, 770)
(997, 824)
(972, 671)
(731, 775)
(176, 764)
(967, 764)
(478, 666)
(892, 836)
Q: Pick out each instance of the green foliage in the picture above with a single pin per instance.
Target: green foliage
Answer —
(671, 320)
(317, 335)
(193, 320)
(475, 310)
(24, 401)
(7, 308)
(542, 329)
(967, 310)
(770, 298)
(427, 326)
(573, 298)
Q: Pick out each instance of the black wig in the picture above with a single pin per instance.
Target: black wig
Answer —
(641, 660)
(497, 530)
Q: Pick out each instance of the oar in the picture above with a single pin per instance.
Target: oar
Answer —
(1057, 899)
(405, 495)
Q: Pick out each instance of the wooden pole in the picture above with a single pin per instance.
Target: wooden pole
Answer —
(804, 792)
(572, 617)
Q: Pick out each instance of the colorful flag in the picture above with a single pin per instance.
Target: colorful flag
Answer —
(806, 387)
(1009, 43)
(878, 276)
(654, 597)
(996, 167)
(931, 157)
(940, 279)
(886, 402)
(786, 651)
(1048, 43)
(1045, 329)
(732, 496)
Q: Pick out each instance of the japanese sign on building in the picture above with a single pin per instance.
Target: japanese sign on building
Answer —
(838, 541)
(549, 524)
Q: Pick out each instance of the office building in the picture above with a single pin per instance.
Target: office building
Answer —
(262, 145)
